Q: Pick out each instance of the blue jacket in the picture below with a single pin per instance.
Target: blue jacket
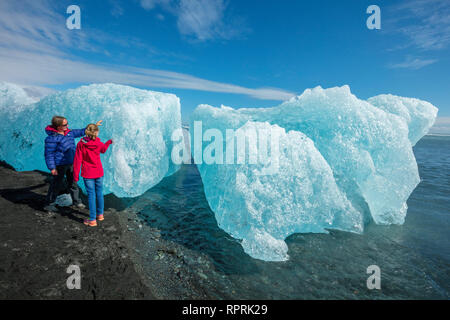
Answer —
(60, 149)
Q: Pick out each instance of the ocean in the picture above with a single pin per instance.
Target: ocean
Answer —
(413, 258)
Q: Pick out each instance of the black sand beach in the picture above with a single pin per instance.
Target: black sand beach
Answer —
(37, 247)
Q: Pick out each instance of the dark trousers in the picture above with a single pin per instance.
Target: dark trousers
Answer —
(57, 184)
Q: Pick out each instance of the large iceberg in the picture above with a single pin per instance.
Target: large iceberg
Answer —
(139, 121)
(339, 162)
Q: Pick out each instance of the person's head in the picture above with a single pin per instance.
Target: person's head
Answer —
(59, 123)
(92, 131)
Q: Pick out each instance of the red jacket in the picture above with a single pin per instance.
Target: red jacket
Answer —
(87, 156)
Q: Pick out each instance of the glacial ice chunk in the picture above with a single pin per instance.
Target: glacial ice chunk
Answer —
(140, 122)
(342, 163)
(64, 200)
(13, 98)
(264, 203)
(418, 114)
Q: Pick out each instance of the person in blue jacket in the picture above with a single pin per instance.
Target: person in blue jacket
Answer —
(59, 154)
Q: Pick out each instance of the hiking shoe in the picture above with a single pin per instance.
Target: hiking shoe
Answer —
(100, 217)
(79, 205)
(90, 223)
(51, 207)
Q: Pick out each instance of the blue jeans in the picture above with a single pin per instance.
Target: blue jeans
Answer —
(94, 188)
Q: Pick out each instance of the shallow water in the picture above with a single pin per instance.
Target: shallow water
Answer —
(414, 258)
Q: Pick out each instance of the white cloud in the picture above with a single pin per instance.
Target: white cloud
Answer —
(116, 8)
(441, 126)
(413, 63)
(36, 49)
(39, 26)
(426, 23)
(201, 20)
(29, 68)
(150, 4)
(37, 91)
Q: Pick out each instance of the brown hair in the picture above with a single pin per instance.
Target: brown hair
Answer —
(57, 121)
(90, 130)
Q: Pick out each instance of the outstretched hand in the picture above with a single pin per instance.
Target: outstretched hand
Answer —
(99, 123)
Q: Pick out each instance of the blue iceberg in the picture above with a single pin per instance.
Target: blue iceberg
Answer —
(139, 121)
(340, 163)
(322, 160)
(419, 115)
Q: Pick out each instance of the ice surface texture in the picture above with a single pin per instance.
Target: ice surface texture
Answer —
(139, 121)
(342, 162)
(419, 115)
(13, 97)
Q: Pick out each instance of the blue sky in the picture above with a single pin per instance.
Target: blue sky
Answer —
(237, 53)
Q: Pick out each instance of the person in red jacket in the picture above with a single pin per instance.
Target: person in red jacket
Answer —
(87, 157)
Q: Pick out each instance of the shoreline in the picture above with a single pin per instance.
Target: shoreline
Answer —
(122, 258)
(125, 257)
(170, 270)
